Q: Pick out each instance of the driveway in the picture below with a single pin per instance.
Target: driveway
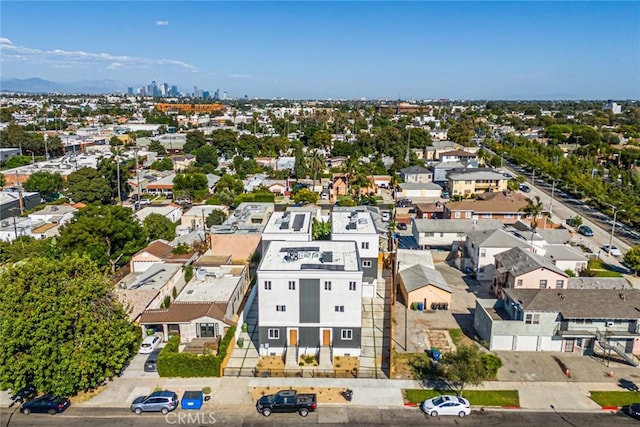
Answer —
(136, 368)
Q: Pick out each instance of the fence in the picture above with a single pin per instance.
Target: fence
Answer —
(303, 373)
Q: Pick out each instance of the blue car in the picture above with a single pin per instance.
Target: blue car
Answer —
(585, 230)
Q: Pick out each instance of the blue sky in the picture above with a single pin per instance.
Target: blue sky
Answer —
(425, 50)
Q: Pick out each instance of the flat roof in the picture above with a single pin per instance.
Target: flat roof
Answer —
(289, 223)
(353, 222)
(154, 278)
(305, 256)
(212, 284)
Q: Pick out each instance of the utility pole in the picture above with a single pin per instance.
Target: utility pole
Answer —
(613, 227)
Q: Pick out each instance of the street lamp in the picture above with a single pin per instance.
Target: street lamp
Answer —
(613, 228)
(33, 156)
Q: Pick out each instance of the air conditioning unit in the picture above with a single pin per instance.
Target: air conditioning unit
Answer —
(609, 324)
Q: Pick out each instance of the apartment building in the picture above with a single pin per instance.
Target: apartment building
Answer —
(310, 299)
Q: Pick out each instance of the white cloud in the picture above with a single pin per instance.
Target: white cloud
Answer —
(240, 76)
(162, 23)
(60, 57)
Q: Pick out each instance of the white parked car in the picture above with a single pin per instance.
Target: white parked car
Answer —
(614, 250)
(149, 344)
(446, 405)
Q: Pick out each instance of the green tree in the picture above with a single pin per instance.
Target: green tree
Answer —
(87, 185)
(195, 140)
(632, 258)
(216, 217)
(46, 183)
(317, 164)
(206, 155)
(320, 230)
(159, 227)
(190, 182)
(305, 196)
(157, 147)
(464, 367)
(63, 329)
(165, 164)
(534, 208)
(109, 234)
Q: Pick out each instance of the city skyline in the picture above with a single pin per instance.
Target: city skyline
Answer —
(423, 50)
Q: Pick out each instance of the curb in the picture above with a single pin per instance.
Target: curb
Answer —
(411, 405)
(510, 407)
(610, 408)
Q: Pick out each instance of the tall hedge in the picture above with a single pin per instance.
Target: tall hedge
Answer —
(172, 363)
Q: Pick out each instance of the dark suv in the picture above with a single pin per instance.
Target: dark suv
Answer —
(160, 401)
(49, 404)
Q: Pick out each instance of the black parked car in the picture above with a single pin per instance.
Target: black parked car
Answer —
(49, 404)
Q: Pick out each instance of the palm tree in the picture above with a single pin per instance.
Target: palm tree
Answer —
(534, 208)
(316, 164)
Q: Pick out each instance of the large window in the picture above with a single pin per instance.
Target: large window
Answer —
(267, 285)
(532, 318)
(327, 285)
(347, 334)
(365, 245)
(559, 284)
(352, 286)
(208, 330)
(292, 285)
(274, 334)
(543, 284)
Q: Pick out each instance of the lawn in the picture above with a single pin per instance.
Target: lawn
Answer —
(475, 397)
(602, 269)
(615, 398)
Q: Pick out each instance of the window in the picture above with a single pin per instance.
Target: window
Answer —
(366, 264)
(365, 245)
(483, 253)
(486, 215)
(456, 215)
(559, 284)
(508, 215)
(467, 214)
(327, 286)
(347, 334)
(267, 285)
(428, 234)
(274, 334)
(579, 322)
(588, 321)
(281, 308)
(209, 330)
(467, 182)
(339, 308)
(532, 318)
(292, 285)
(519, 282)
(352, 286)
(543, 284)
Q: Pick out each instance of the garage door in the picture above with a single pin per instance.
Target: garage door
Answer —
(527, 343)
(502, 342)
(551, 344)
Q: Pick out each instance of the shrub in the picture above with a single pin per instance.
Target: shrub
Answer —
(206, 390)
(491, 364)
(171, 363)
(188, 273)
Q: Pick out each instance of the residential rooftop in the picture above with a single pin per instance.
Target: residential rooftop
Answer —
(353, 222)
(308, 256)
(212, 284)
(285, 223)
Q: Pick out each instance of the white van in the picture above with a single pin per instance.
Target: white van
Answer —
(149, 344)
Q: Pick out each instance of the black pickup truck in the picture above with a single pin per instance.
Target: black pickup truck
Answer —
(287, 401)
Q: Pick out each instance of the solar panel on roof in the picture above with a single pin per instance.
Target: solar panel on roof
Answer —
(330, 267)
(298, 222)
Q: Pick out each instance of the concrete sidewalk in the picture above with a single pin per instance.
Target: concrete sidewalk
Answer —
(568, 396)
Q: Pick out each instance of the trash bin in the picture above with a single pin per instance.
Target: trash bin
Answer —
(192, 400)
(435, 354)
(241, 342)
(245, 327)
(420, 306)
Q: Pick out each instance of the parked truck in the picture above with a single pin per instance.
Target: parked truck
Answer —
(287, 401)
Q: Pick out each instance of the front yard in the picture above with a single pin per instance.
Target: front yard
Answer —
(615, 398)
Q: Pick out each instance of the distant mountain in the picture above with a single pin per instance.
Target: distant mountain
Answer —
(37, 85)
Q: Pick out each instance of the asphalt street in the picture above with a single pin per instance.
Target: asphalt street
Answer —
(334, 415)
